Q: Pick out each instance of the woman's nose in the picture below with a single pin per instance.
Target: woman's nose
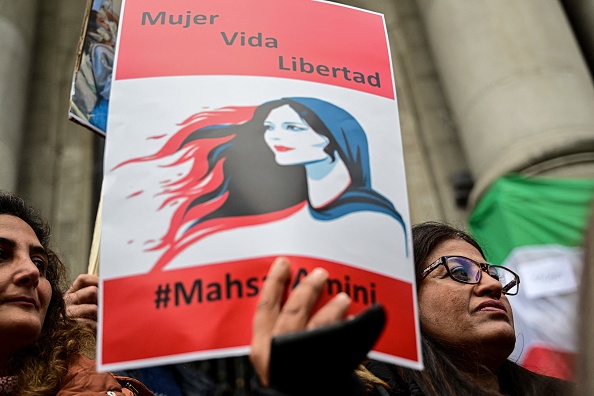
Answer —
(489, 285)
(27, 272)
(272, 134)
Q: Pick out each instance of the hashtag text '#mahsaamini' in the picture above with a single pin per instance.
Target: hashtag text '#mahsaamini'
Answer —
(199, 291)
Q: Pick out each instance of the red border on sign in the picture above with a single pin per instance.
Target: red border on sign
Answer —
(210, 308)
(294, 39)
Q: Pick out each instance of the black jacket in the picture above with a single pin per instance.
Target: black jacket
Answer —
(397, 385)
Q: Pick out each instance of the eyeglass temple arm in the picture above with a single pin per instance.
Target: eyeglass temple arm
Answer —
(510, 285)
(427, 270)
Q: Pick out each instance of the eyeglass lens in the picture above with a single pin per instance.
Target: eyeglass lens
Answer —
(467, 271)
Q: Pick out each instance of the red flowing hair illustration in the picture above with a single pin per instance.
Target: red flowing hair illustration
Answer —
(233, 180)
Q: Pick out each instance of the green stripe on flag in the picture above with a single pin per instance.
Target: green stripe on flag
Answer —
(519, 211)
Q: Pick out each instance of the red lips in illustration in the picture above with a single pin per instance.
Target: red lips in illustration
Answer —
(283, 149)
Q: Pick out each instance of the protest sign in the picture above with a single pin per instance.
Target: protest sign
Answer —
(91, 82)
(241, 131)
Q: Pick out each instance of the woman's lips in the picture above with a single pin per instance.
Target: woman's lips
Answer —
(283, 149)
(24, 301)
(492, 305)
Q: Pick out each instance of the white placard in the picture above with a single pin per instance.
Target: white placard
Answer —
(547, 277)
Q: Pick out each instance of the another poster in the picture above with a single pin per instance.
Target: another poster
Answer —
(91, 83)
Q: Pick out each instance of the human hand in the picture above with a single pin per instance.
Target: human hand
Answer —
(81, 300)
(272, 318)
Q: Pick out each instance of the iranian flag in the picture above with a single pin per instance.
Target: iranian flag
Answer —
(535, 226)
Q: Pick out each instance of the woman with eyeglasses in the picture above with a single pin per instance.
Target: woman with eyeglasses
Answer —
(466, 323)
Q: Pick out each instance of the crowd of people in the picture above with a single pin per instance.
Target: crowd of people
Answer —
(47, 328)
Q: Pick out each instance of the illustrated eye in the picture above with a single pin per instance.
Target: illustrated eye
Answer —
(460, 273)
(295, 128)
(268, 126)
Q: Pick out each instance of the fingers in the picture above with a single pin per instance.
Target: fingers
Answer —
(81, 300)
(297, 310)
(87, 295)
(86, 311)
(84, 280)
(272, 318)
(332, 312)
(271, 296)
(85, 315)
(265, 316)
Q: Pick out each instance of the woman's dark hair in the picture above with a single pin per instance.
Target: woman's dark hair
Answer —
(234, 179)
(228, 157)
(16, 206)
(247, 161)
(40, 367)
(427, 236)
(442, 374)
(314, 122)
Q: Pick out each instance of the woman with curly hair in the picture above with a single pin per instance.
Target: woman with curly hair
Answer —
(42, 351)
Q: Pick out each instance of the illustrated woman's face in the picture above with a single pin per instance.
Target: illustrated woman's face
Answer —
(291, 139)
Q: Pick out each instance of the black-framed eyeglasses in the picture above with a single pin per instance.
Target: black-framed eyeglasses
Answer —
(465, 270)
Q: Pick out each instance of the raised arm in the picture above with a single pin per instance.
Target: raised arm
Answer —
(296, 351)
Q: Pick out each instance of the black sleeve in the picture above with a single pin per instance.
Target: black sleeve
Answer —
(258, 390)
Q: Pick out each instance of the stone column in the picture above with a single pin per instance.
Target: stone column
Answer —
(581, 16)
(17, 28)
(432, 152)
(518, 86)
(56, 171)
